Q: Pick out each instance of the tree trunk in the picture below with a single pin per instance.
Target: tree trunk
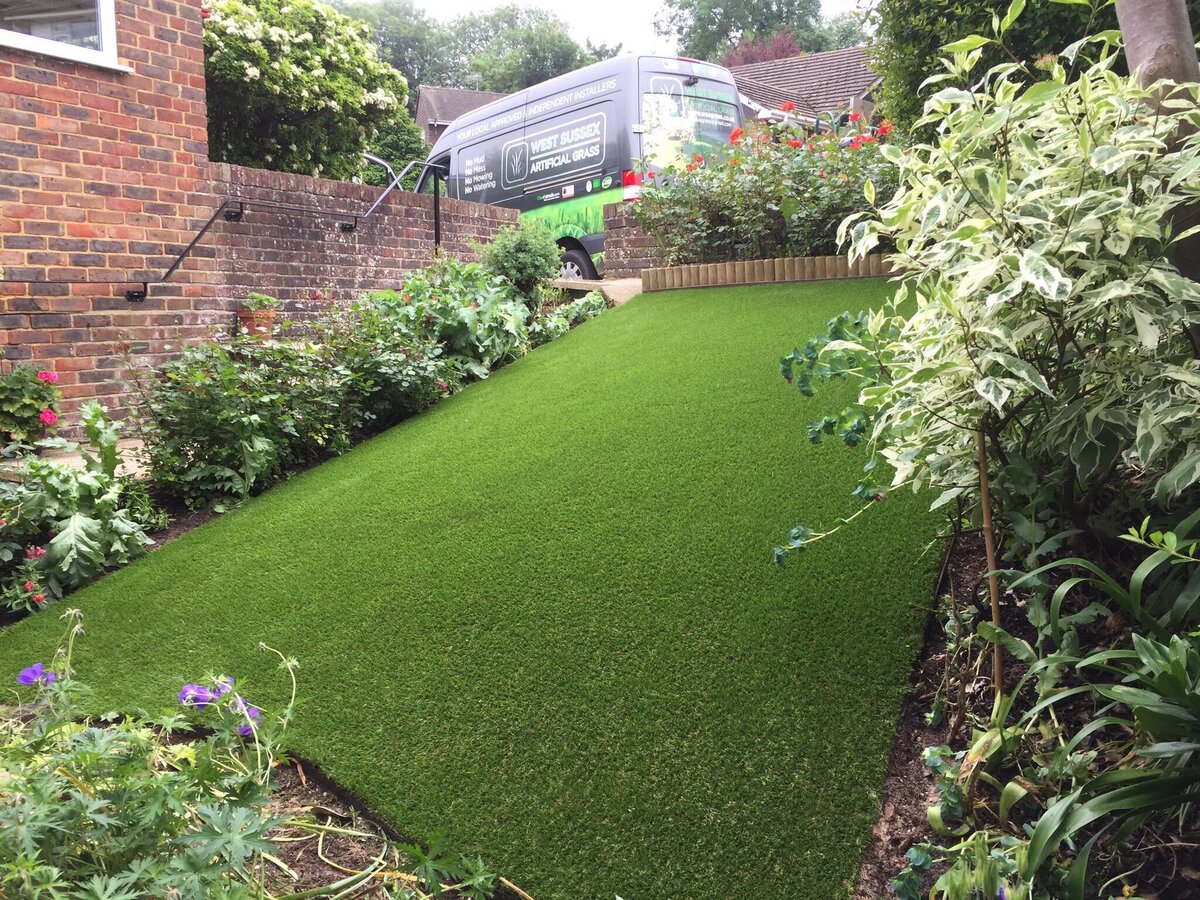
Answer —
(1158, 40)
(1159, 43)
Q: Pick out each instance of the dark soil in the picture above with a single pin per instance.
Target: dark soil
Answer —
(303, 791)
(908, 789)
(1157, 866)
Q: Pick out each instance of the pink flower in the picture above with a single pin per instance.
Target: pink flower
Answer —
(30, 587)
(33, 552)
(51, 377)
(48, 417)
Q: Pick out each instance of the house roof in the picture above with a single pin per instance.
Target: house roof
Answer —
(767, 96)
(442, 105)
(824, 81)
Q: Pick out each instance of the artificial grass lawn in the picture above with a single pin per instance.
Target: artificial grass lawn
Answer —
(544, 613)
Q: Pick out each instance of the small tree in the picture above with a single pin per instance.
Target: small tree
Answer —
(294, 86)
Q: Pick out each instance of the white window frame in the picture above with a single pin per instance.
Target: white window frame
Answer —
(105, 57)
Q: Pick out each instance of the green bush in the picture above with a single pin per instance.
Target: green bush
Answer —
(468, 310)
(777, 192)
(525, 255)
(62, 526)
(228, 418)
(1033, 235)
(27, 401)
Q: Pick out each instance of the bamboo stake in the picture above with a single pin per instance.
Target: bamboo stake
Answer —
(989, 543)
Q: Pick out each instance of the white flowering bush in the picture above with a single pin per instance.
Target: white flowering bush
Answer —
(294, 86)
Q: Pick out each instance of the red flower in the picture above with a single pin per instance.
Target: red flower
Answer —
(649, 174)
(868, 139)
(736, 135)
(855, 116)
(691, 167)
(30, 587)
(39, 598)
(205, 12)
(821, 174)
(698, 158)
(795, 143)
(886, 127)
(787, 106)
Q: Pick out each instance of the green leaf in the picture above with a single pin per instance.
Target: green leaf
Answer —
(1014, 11)
(971, 42)
(1046, 278)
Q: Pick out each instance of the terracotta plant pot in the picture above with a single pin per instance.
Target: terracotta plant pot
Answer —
(258, 323)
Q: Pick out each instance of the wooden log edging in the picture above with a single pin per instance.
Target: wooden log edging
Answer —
(764, 271)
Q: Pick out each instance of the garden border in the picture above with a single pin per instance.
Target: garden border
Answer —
(764, 271)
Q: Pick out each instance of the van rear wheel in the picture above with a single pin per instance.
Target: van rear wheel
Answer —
(576, 265)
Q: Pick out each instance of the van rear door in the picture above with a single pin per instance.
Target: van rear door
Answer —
(687, 108)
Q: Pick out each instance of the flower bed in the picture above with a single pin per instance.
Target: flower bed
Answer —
(777, 191)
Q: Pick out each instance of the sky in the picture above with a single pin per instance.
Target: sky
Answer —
(628, 22)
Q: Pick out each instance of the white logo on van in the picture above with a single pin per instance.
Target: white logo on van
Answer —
(668, 87)
(559, 152)
(516, 164)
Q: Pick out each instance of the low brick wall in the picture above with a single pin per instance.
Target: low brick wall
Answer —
(627, 249)
(79, 328)
(764, 271)
(293, 254)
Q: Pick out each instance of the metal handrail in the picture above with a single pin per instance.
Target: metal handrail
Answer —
(233, 208)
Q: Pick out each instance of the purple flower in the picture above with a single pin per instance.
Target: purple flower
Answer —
(1001, 894)
(252, 712)
(196, 695)
(224, 685)
(36, 674)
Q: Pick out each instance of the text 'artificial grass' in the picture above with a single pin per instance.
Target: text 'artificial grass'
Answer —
(544, 614)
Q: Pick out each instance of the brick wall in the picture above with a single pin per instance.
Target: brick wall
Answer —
(104, 177)
(290, 255)
(627, 249)
(98, 179)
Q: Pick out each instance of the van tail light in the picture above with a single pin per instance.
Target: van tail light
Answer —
(631, 184)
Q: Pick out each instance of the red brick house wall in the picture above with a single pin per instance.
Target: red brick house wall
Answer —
(104, 178)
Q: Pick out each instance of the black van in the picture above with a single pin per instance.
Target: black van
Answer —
(560, 150)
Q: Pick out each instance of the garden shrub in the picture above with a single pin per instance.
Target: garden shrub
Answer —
(229, 417)
(525, 255)
(61, 526)
(27, 403)
(1033, 233)
(779, 191)
(1041, 331)
(467, 309)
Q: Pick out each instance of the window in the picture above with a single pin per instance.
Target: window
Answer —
(80, 30)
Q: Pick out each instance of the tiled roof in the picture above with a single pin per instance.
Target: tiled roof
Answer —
(442, 105)
(770, 96)
(824, 81)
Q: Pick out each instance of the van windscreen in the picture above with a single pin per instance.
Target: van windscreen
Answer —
(676, 125)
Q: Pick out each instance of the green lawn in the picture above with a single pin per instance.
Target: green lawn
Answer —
(544, 614)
